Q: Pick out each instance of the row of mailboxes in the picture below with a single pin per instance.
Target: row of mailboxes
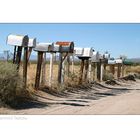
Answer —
(20, 40)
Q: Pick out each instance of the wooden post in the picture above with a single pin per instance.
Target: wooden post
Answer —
(68, 65)
(72, 64)
(86, 70)
(119, 71)
(14, 57)
(81, 71)
(102, 72)
(60, 68)
(43, 79)
(105, 68)
(63, 72)
(112, 69)
(94, 71)
(51, 68)
(25, 62)
(38, 71)
(99, 70)
(89, 72)
(18, 56)
(29, 53)
(123, 67)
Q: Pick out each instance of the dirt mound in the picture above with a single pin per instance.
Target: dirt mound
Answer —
(129, 77)
(111, 82)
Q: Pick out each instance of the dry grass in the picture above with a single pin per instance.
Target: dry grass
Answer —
(132, 69)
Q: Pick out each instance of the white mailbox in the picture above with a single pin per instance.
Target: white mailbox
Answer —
(32, 42)
(66, 46)
(78, 51)
(55, 48)
(106, 56)
(88, 52)
(95, 57)
(17, 40)
(118, 61)
(111, 62)
(101, 56)
(43, 47)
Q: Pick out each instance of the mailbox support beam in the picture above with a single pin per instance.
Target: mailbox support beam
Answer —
(112, 69)
(51, 69)
(119, 71)
(99, 71)
(123, 68)
(86, 70)
(89, 72)
(38, 71)
(18, 56)
(72, 64)
(25, 62)
(81, 71)
(43, 79)
(61, 66)
(14, 56)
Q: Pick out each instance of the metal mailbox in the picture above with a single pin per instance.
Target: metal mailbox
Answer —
(66, 46)
(88, 52)
(78, 51)
(44, 47)
(111, 62)
(17, 40)
(101, 56)
(118, 61)
(95, 57)
(32, 43)
(106, 56)
(55, 48)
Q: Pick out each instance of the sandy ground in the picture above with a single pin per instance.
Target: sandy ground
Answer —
(95, 99)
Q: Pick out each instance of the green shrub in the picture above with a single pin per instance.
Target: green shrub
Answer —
(12, 91)
(108, 76)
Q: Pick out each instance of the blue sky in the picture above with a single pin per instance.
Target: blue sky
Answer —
(115, 38)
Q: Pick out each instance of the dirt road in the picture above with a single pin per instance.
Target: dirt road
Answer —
(95, 99)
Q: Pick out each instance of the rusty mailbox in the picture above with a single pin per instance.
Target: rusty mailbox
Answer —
(65, 47)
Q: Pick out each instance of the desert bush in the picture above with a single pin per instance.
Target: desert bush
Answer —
(108, 76)
(12, 91)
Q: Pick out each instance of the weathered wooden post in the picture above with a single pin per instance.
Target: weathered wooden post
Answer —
(43, 79)
(111, 63)
(31, 45)
(21, 42)
(84, 54)
(51, 68)
(119, 63)
(95, 61)
(66, 48)
(81, 71)
(90, 69)
(106, 57)
(100, 68)
(72, 67)
(41, 48)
